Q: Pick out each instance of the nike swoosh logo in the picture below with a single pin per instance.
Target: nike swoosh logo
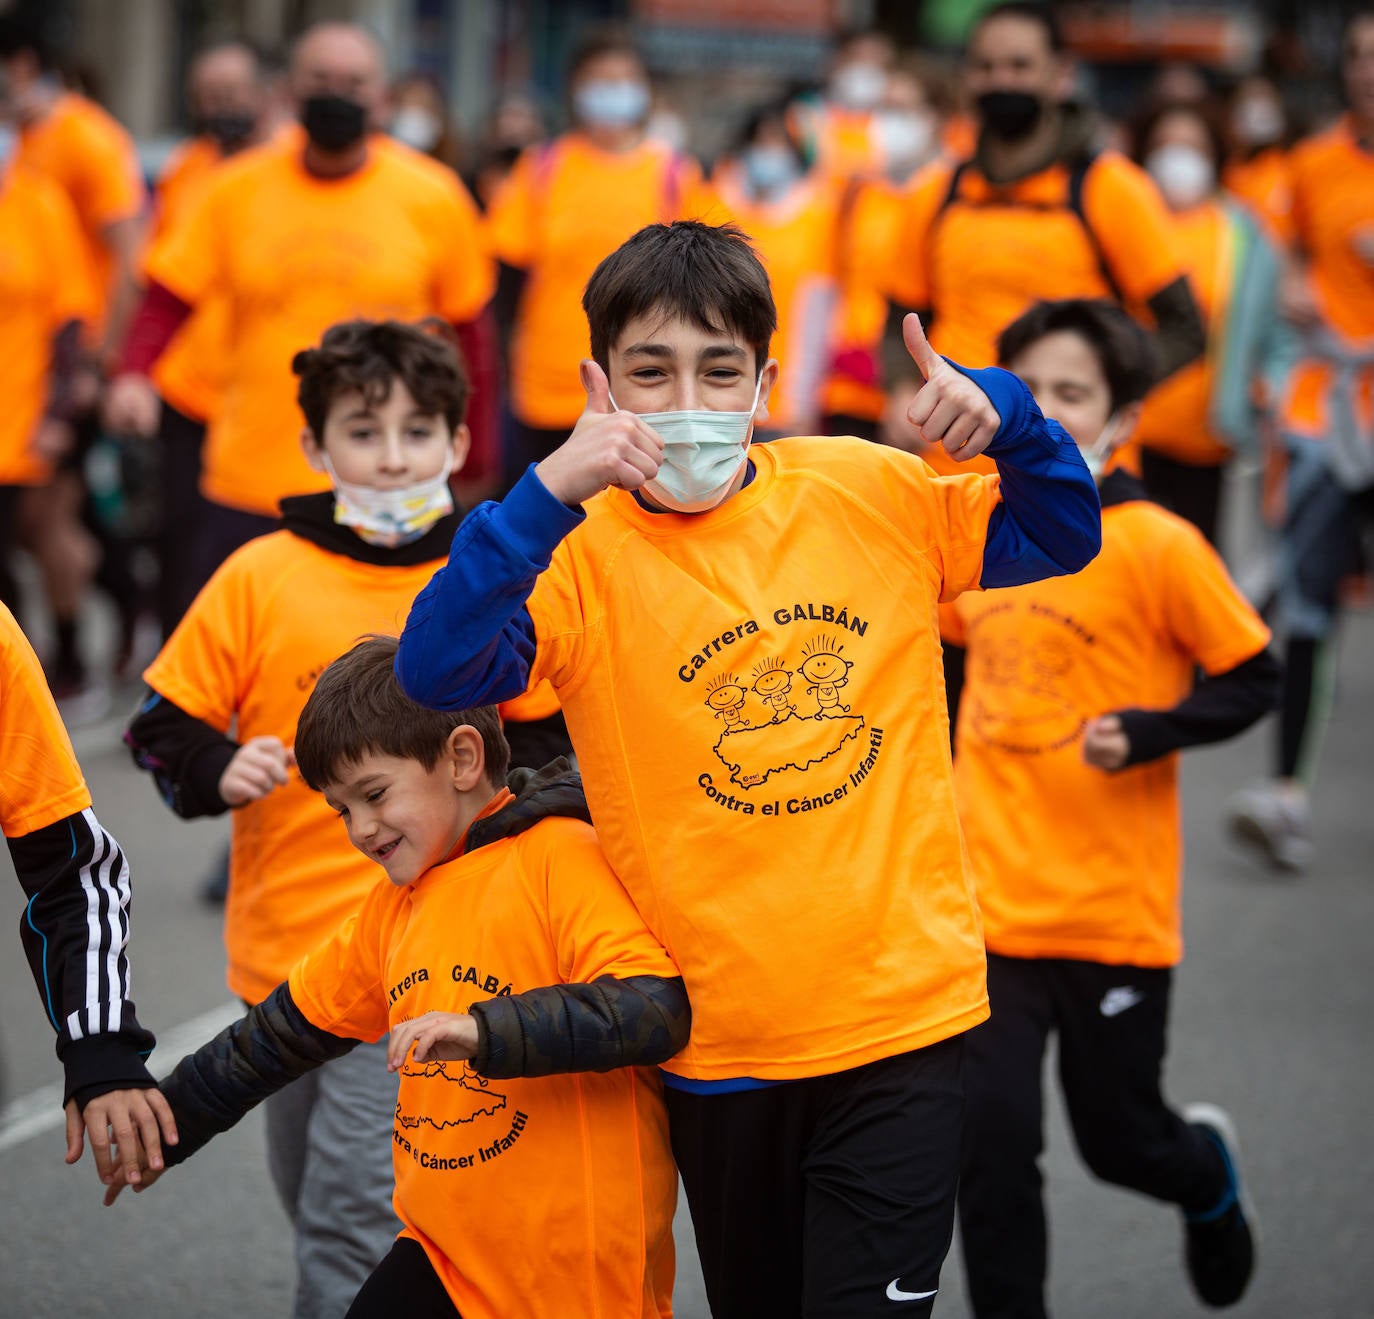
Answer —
(895, 1293)
(1117, 1001)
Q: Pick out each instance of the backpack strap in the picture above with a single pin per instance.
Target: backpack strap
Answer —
(1078, 175)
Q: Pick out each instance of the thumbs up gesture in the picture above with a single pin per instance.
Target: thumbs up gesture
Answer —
(949, 409)
(606, 448)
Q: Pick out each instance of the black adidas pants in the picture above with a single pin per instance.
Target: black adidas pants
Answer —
(1112, 1025)
(825, 1198)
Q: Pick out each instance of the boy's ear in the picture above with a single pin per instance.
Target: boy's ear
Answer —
(461, 446)
(768, 379)
(310, 446)
(467, 758)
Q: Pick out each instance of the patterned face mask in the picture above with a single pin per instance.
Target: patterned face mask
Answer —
(392, 517)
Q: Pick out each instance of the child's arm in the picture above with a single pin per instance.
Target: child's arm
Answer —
(1049, 522)
(199, 771)
(1220, 706)
(469, 639)
(609, 1023)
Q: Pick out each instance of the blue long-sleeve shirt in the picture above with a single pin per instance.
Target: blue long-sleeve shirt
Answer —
(469, 639)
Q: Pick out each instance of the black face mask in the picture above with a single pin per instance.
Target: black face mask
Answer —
(229, 132)
(333, 123)
(1010, 115)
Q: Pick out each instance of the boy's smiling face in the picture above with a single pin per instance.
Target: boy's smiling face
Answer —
(671, 365)
(405, 817)
(386, 445)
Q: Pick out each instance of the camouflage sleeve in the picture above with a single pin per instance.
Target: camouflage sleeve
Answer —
(582, 1028)
(266, 1049)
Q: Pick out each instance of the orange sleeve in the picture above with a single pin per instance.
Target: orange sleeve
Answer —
(1133, 228)
(465, 272)
(557, 608)
(511, 219)
(202, 667)
(952, 631)
(1209, 619)
(539, 702)
(596, 929)
(40, 780)
(907, 282)
(188, 258)
(76, 294)
(111, 185)
(339, 986)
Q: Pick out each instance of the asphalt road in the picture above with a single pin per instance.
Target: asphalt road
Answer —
(1272, 1019)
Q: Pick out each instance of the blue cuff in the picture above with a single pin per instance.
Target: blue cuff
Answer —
(1009, 395)
(532, 521)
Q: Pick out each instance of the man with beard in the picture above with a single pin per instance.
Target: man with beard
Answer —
(1037, 212)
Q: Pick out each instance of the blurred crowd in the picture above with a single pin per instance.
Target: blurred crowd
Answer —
(147, 326)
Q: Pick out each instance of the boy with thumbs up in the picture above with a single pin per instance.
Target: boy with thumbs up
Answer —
(744, 643)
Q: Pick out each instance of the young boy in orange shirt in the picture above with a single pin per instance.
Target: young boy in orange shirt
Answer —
(502, 950)
(1078, 694)
(744, 643)
(383, 406)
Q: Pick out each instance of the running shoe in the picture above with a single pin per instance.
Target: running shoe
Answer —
(1273, 824)
(1219, 1245)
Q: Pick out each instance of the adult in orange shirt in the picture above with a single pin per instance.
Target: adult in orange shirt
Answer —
(319, 225)
(1257, 171)
(227, 101)
(1324, 395)
(1196, 419)
(1035, 213)
(564, 207)
(839, 127)
(527, 1003)
(75, 926)
(792, 216)
(1078, 696)
(48, 297)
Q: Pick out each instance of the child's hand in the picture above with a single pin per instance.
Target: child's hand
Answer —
(258, 767)
(949, 409)
(1105, 744)
(132, 406)
(605, 448)
(140, 1121)
(121, 1180)
(445, 1036)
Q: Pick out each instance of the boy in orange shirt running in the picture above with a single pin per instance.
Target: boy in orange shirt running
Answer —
(1078, 693)
(510, 966)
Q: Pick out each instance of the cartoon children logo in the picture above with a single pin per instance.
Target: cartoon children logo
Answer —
(725, 698)
(825, 671)
(773, 685)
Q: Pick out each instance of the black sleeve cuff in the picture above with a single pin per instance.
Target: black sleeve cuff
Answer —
(1149, 735)
(101, 1063)
(203, 774)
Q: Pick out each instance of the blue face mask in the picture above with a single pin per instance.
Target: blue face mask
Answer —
(769, 169)
(703, 451)
(611, 103)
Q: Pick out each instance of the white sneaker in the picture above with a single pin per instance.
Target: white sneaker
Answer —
(1274, 824)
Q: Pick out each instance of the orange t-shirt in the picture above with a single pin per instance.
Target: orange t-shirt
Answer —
(1175, 417)
(756, 698)
(40, 781)
(563, 208)
(1333, 219)
(45, 281)
(92, 158)
(1264, 183)
(1071, 861)
(250, 648)
(797, 240)
(190, 373)
(995, 250)
(548, 1196)
(290, 255)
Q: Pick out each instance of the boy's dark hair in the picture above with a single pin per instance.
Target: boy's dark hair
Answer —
(1042, 14)
(358, 708)
(601, 41)
(1123, 349)
(706, 275)
(366, 357)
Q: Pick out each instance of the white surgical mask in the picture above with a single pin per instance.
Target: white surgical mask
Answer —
(1257, 121)
(905, 138)
(1185, 176)
(858, 86)
(769, 168)
(703, 451)
(611, 103)
(1097, 454)
(392, 517)
(417, 127)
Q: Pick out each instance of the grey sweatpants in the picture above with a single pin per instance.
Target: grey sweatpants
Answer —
(329, 1153)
